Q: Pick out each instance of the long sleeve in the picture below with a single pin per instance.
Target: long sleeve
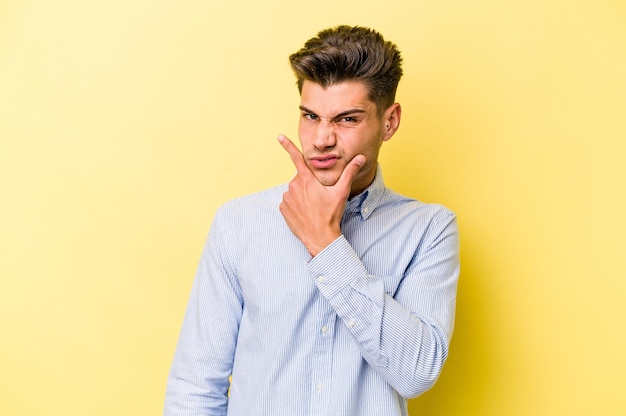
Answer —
(198, 382)
(402, 323)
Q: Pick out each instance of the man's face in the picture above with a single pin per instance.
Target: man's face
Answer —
(338, 123)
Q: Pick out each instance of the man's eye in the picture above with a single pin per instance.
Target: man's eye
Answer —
(310, 116)
(348, 120)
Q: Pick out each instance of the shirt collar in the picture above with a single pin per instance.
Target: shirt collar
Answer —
(367, 201)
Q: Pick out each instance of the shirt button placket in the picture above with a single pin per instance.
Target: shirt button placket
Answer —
(322, 367)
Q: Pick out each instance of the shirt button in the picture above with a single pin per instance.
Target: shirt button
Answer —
(351, 323)
(321, 279)
(319, 387)
(366, 210)
(324, 329)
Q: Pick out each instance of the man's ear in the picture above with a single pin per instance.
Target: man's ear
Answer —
(391, 120)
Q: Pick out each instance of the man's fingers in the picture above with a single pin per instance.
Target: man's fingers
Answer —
(296, 156)
(351, 170)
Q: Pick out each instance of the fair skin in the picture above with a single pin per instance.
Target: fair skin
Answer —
(340, 133)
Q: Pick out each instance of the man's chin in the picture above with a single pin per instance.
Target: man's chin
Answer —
(327, 178)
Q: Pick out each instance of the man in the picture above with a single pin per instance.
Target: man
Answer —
(331, 295)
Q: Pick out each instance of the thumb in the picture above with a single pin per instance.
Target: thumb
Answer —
(351, 170)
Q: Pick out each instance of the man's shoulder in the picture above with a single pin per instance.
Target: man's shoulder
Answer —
(251, 213)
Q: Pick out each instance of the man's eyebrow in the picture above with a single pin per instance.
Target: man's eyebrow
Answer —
(306, 110)
(337, 116)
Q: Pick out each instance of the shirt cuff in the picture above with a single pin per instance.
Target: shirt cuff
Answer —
(335, 267)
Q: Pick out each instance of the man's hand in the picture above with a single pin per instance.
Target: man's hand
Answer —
(313, 211)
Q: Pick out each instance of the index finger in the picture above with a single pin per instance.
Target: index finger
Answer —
(296, 156)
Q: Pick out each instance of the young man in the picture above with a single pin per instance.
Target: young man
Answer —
(331, 295)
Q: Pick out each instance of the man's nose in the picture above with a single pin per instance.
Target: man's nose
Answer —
(326, 136)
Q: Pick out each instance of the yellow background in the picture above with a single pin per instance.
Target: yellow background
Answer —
(124, 124)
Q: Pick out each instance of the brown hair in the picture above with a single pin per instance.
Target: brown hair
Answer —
(346, 53)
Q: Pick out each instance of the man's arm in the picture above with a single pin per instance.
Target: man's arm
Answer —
(198, 380)
(405, 337)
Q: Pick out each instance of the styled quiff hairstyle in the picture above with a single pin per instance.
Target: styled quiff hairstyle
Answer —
(346, 53)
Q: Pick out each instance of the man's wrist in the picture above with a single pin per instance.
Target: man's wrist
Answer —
(318, 246)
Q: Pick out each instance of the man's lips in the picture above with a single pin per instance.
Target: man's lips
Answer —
(323, 162)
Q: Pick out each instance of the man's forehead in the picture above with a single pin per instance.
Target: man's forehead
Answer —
(336, 98)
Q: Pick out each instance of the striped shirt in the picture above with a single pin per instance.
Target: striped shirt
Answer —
(354, 331)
